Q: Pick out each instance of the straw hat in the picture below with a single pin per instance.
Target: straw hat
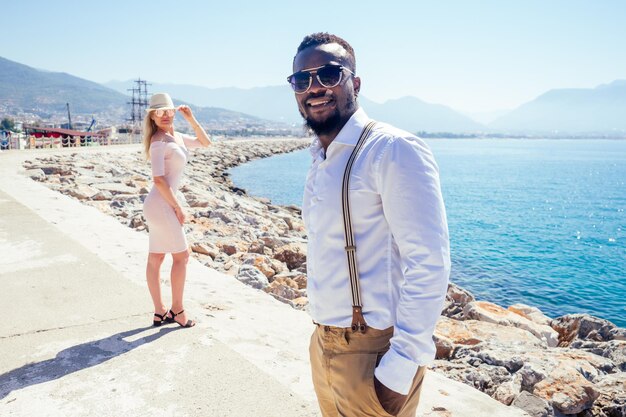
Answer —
(160, 101)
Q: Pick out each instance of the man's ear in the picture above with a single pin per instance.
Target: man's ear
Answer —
(356, 81)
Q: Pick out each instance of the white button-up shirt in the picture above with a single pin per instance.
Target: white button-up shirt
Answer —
(401, 236)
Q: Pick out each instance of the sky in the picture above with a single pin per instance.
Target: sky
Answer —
(473, 56)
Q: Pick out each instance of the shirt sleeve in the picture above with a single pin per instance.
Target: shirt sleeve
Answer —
(157, 158)
(191, 142)
(408, 180)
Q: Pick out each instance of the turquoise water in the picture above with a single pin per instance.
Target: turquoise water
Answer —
(539, 222)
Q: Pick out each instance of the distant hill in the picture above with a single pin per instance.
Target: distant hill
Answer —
(273, 103)
(601, 109)
(28, 89)
(413, 115)
(278, 103)
(44, 93)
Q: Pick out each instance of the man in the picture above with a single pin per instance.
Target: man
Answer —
(401, 240)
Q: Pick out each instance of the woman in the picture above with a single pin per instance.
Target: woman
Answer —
(168, 154)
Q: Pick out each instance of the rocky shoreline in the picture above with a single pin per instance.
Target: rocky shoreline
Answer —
(574, 365)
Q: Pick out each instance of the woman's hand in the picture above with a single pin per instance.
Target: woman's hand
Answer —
(200, 133)
(187, 114)
(180, 214)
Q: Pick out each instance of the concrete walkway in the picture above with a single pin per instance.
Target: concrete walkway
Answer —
(77, 340)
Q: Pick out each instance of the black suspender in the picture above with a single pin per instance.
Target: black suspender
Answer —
(358, 322)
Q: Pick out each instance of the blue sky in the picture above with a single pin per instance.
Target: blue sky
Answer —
(474, 56)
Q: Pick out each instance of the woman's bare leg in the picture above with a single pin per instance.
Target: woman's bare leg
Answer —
(179, 274)
(153, 277)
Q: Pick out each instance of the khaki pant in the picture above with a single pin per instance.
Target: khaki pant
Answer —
(343, 363)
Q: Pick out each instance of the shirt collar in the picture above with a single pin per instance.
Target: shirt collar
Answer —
(351, 131)
(348, 135)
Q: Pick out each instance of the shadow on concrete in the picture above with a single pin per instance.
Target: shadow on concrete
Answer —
(76, 358)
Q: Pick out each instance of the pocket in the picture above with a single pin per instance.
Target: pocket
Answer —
(372, 396)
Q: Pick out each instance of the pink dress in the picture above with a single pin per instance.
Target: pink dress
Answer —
(168, 159)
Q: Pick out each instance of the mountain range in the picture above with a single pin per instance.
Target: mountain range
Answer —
(558, 111)
(24, 89)
(577, 111)
(277, 103)
(600, 109)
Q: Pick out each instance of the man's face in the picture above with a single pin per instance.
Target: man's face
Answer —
(324, 109)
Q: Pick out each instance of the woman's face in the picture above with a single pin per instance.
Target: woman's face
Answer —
(164, 119)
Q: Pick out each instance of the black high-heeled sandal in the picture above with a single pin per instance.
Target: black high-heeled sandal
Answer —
(190, 323)
(164, 318)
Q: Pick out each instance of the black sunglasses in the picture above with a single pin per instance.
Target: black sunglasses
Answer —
(329, 76)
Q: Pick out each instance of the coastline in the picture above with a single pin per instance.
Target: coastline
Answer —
(516, 355)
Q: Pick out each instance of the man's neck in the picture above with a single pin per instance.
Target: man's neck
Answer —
(327, 138)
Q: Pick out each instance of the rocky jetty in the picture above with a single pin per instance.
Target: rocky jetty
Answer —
(574, 365)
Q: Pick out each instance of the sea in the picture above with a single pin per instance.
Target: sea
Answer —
(533, 221)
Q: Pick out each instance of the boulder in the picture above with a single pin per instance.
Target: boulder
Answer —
(456, 299)
(533, 405)
(136, 222)
(56, 169)
(36, 174)
(205, 248)
(531, 313)
(489, 312)
(82, 192)
(102, 196)
(116, 188)
(257, 247)
(262, 263)
(508, 391)
(251, 276)
(615, 350)
(612, 399)
(473, 332)
(567, 390)
(584, 327)
(292, 254)
(281, 290)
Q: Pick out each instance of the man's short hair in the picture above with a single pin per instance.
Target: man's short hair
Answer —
(323, 38)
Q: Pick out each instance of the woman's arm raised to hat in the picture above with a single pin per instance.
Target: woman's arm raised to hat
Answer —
(201, 135)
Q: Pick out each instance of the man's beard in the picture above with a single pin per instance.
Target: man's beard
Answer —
(331, 123)
(323, 127)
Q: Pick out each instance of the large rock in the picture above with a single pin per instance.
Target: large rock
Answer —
(36, 174)
(473, 332)
(612, 400)
(206, 248)
(116, 188)
(56, 169)
(262, 263)
(585, 327)
(615, 350)
(533, 405)
(293, 254)
(82, 192)
(102, 196)
(567, 390)
(456, 300)
(282, 290)
(489, 312)
(251, 276)
(508, 391)
(531, 313)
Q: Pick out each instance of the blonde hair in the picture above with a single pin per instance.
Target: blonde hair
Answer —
(149, 129)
